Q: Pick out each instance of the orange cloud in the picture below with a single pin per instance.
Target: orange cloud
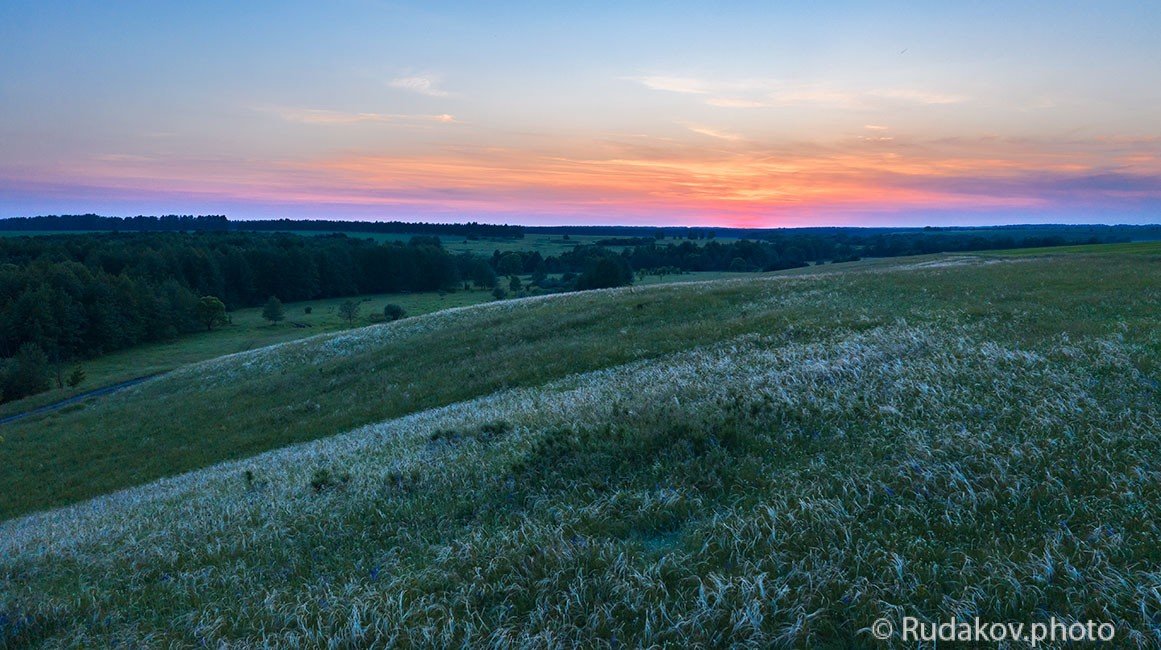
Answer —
(740, 182)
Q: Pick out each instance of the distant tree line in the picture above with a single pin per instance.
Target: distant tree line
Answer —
(73, 296)
(614, 235)
(791, 249)
(1070, 233)
(218, 223)
(470, 229)
(75, 222)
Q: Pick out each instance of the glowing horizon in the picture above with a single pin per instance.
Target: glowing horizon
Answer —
(671, 114)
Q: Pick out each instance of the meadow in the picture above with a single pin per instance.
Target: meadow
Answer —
(770, 461)
(545, 244)
(1151, 248)
(247, 330)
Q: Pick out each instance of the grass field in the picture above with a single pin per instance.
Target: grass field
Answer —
(247, 331)
(546, 245)
(772, 461)
(1133, 248)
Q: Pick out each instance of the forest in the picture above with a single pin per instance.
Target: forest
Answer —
(71, 297)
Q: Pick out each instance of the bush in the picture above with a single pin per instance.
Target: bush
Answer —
(76, 377)
(273, 311)
(394, 312)
(499, 294)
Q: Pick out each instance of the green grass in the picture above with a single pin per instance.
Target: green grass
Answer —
(158, 430)
(247, 331)
(696, 276)
(770, 461)
(1133, 248)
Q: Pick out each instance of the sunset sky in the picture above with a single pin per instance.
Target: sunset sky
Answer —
(735, 114)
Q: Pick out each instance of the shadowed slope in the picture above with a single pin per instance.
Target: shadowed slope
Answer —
(756, 492)
(251, 402)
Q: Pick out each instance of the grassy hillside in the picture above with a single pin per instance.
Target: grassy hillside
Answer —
(771, 462)
(1151, 248)
(247, 331)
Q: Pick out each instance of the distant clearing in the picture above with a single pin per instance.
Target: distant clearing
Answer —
(1133, 248)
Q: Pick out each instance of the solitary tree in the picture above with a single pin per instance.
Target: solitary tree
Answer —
(349, 310)
(76, 377)
(272, 310)
(393, 312)
(514, 284)
(211, 311)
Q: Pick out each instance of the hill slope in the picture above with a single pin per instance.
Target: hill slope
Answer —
(764, 462)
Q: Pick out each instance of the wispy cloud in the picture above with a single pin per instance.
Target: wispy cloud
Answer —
(325, 116)
(734, 102)
(919, 96)
(712, 132)
(770, 93)
(686, 85)
(422, 84)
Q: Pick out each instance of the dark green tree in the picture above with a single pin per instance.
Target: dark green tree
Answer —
(76, 377)
(273, 311)
(349, 310)
(510, 264)
(606, 272)
(211, 311)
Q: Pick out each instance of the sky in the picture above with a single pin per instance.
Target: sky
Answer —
(745, 114)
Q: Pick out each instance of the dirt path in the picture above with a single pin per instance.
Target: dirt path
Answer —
(98, 392)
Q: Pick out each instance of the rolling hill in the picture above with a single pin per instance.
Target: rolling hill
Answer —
(767, 462)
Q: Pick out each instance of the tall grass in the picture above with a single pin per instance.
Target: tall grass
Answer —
(298, 391)
(983, 443)
(754, 492)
